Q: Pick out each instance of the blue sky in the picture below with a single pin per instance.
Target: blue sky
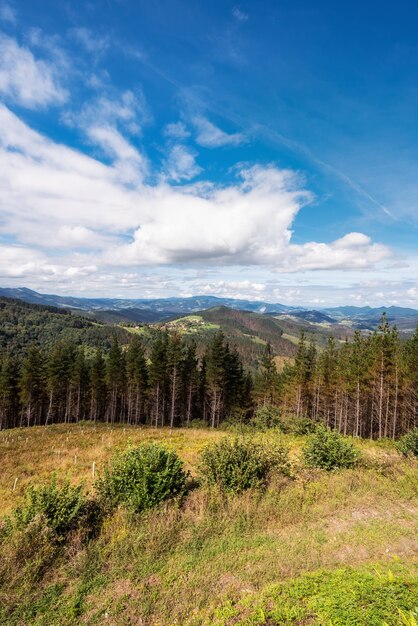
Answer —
(259, 149)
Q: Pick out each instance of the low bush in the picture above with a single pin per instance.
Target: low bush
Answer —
(328, 450)
(59, 506)
(141, 477)
(238, 464)
(300, 425)
(266, 416)
(408, 444)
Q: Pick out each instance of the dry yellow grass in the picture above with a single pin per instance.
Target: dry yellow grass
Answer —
(32, 455)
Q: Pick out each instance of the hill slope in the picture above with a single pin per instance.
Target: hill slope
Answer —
(22, 324)
(248, 332)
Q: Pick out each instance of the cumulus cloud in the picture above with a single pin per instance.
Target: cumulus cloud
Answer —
(54, 195)
(210, 136)
(354, 250)
(25, 80)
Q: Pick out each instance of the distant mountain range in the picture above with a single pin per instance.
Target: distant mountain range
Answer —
(142, 310)
(159, 308)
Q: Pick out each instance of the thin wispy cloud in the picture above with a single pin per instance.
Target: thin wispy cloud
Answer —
(177, 130)
(8, 13)
(239, 15)
(96, 45)
(25, 80)
(211, 136)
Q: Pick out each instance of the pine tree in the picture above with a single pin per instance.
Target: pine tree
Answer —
(190, 381)
(32, 386)
(79, 387)
(159, 377)
(269, 378)
(9, 399)
(115, 381)
(174, 367)
(98, 389)
(137, 381)
(215, 375)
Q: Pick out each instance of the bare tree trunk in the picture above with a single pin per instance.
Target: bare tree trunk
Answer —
(380, 413)
(173, 398)
(395, 408)
(189, 404)
(214, 403)
(157, 406)
(49, 413)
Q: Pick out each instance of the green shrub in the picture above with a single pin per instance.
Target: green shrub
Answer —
(141, 477)
(266, 416)
(328, 450)
(60, 506)
(238, 464)
(298, 425)
(408, 444)
(303, 426)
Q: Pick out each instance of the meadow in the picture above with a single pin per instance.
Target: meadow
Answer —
(326, 548)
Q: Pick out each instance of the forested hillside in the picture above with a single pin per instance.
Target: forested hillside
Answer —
(248, 332)
(59, 368)
(23, 324)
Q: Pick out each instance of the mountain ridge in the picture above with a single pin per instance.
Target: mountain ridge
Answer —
(153, 310)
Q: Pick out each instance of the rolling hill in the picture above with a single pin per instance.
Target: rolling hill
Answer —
(23, 324)
(337, 320)
(142, 309)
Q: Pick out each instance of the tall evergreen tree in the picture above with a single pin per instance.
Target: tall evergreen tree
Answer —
(98, 388)
(32, 387)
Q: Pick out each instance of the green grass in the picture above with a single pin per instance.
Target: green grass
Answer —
(322, 548)
(369, 597)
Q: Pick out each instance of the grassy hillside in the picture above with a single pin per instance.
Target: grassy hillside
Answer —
(319, 548)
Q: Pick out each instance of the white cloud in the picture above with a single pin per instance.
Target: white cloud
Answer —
(91, 41)
(132, 165)
(102, 121)
(181, 164)
(210, 136)
(25, 80)
(127, 110)
(239, 15)
(177, 130)
(240, 289)
(354, 250)
(7, 13)
(52, 195)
